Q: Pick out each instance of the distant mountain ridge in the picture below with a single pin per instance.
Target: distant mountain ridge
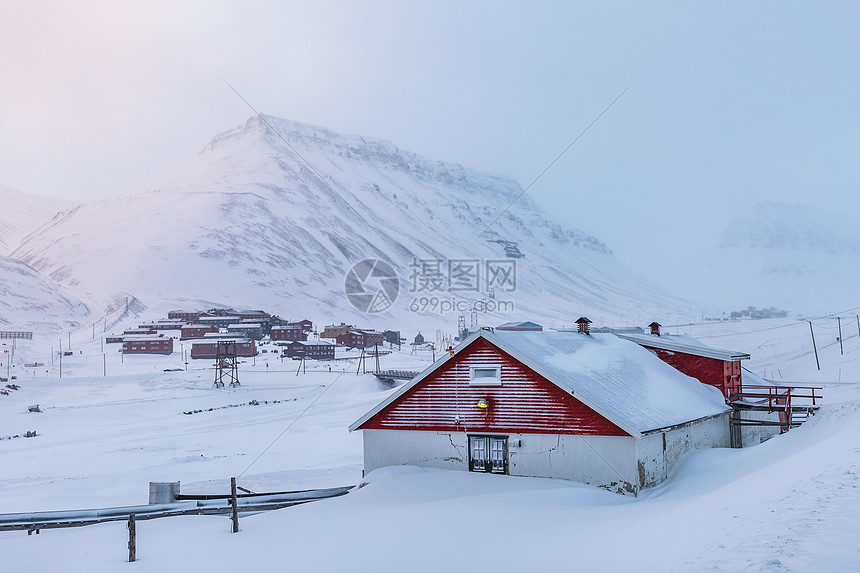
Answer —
(21, 214)
(795, 257)
(248, 223)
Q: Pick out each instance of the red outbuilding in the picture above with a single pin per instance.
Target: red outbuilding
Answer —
(713, 366)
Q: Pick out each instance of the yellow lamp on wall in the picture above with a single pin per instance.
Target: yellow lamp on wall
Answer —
(483, 404)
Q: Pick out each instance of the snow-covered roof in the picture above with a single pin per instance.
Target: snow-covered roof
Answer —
(313, 343)
(244, 326)
(618, 379)
(144, 338)
(685, 344)
(218, 340)
(524, 324)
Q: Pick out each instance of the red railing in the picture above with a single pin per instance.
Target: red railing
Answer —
(783, 399)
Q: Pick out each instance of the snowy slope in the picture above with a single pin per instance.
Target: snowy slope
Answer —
(247, 223)
(21, 214)
(29, 301)
(789, 504)
(794, 257)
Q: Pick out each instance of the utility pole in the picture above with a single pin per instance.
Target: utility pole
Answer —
(377, 358)
(839, 322)
(104, 364)
(813, 345)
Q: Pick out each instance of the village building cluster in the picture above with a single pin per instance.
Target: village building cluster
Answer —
(209, 331)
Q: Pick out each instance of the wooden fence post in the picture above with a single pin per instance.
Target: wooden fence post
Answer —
(132, 539)
(234, 502)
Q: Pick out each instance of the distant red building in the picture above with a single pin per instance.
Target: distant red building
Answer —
(151, 344)
(257, 315)
(186, 316)
(361, 338)
(190, 331)
(290, 332)
(209, 348)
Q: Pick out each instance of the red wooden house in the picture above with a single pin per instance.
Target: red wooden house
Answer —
(589, 408)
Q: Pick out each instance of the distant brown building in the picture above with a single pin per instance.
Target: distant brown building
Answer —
(335, 330)
(190, 331)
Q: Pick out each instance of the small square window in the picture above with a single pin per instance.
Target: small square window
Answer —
(485, 376)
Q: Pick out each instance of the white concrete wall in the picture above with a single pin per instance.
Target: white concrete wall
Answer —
(444, 450)
(617, 463)
(657, 456)
(603, 461)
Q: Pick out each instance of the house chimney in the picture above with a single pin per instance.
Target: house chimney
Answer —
(655, 328)
(582, 325)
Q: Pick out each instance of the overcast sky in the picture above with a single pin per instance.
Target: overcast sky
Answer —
(733, 103)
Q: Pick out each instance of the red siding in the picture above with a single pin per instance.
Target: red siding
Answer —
(524, 403)
(722, 374)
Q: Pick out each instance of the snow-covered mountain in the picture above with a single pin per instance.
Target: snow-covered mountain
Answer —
(29, 301)
(795, 257)
(249, 223)
(21, 214)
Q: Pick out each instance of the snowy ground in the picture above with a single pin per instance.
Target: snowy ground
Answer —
(789, 504)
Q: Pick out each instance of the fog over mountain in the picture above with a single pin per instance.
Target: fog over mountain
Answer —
(249, 223)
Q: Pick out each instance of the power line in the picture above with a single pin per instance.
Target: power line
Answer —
(291, 424)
